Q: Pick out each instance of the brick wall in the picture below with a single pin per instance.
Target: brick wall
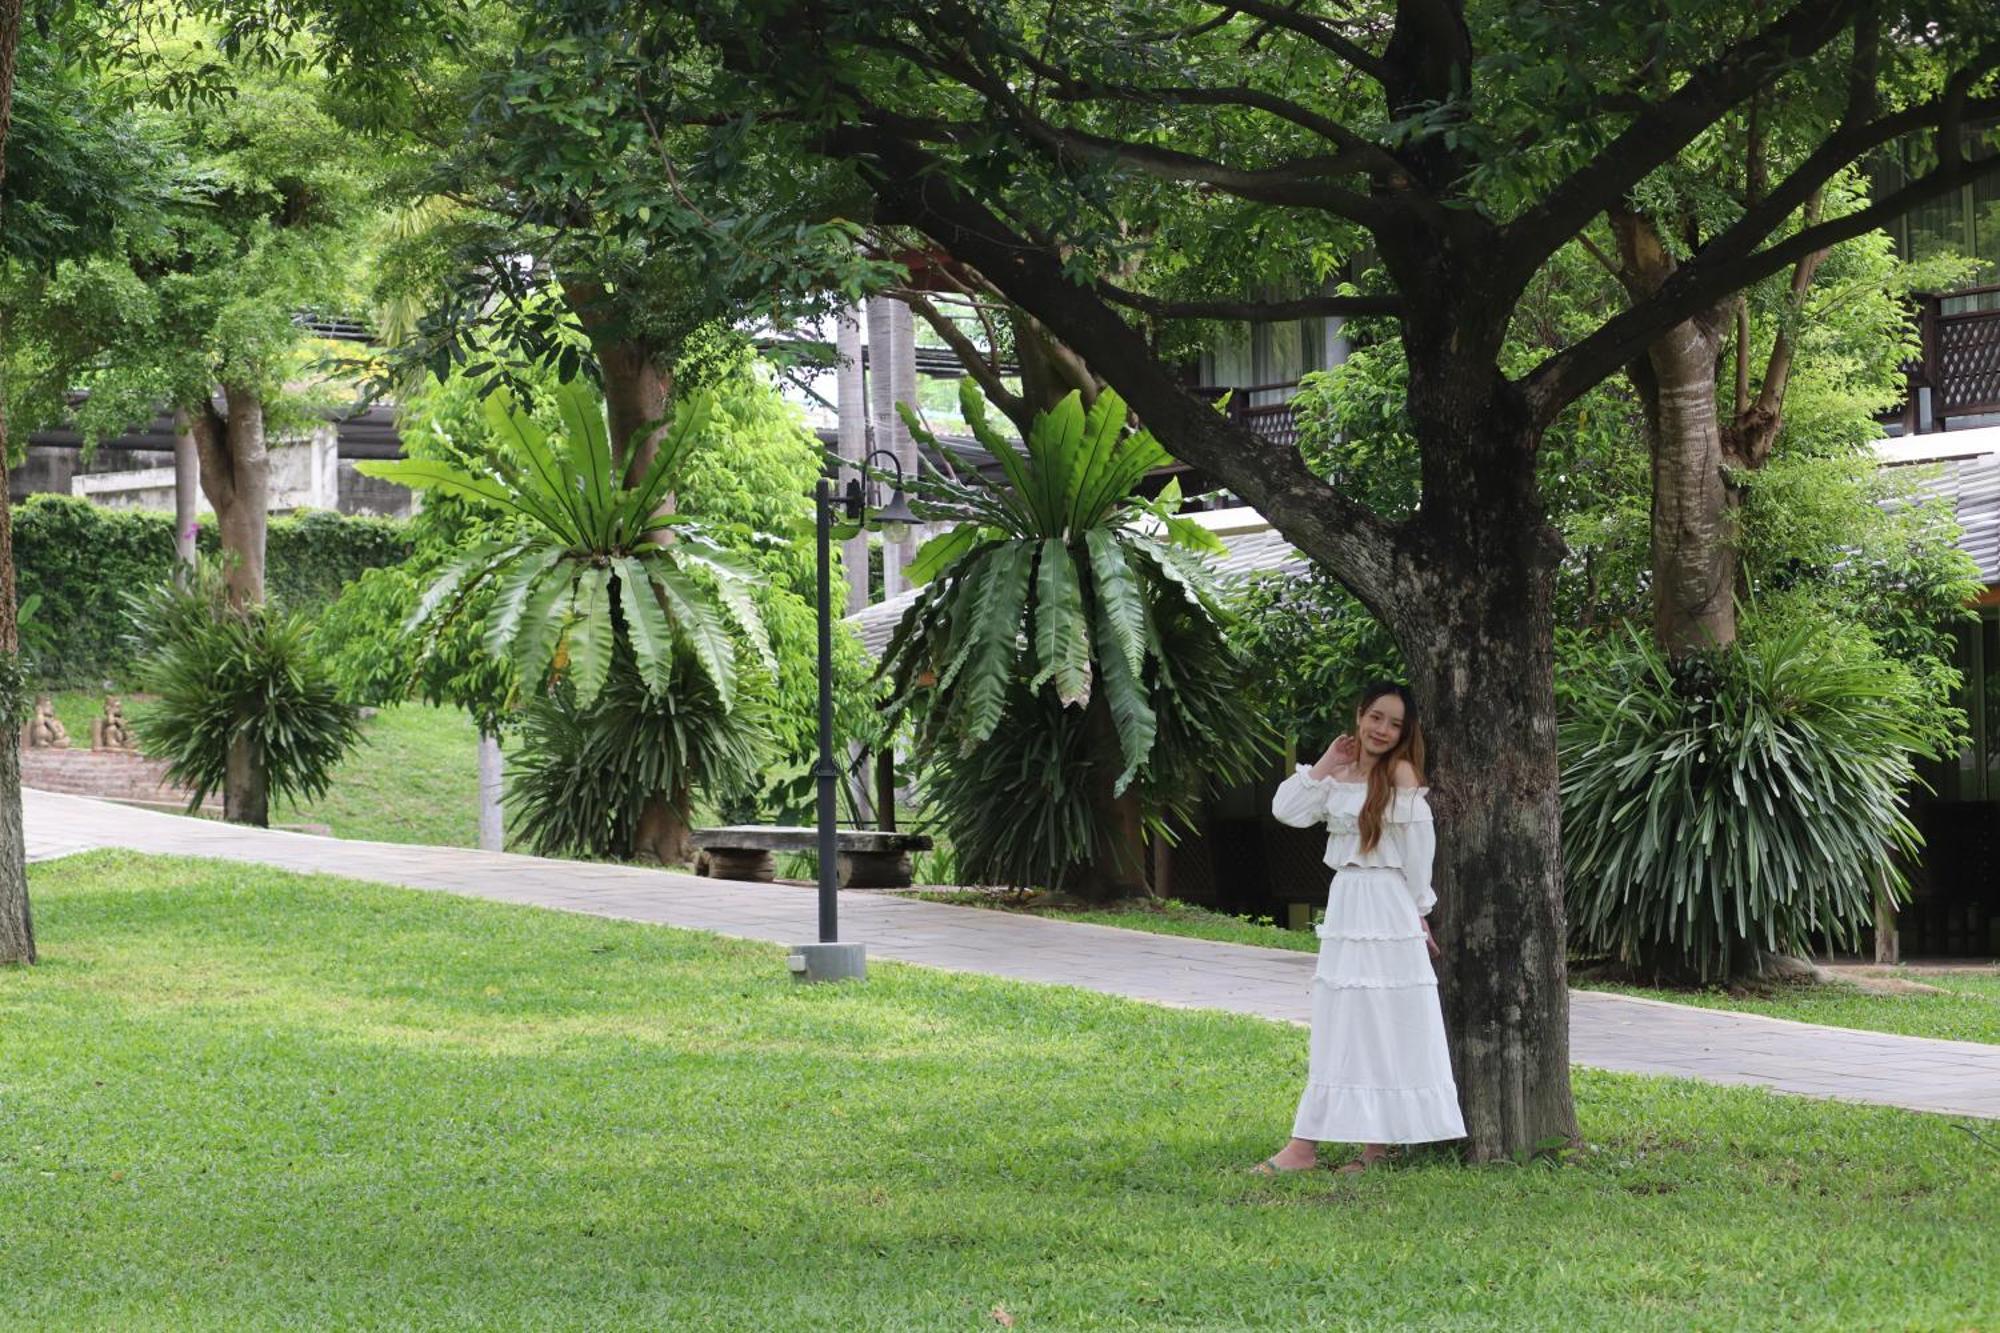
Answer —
(111, 774)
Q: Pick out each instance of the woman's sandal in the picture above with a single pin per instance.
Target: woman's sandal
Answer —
(1362, 1163)
(1269, 1167)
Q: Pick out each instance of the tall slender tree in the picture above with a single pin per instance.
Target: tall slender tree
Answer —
(17, 923)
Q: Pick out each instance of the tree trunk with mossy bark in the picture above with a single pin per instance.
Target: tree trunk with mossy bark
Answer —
(235, 467)
(1693, 519)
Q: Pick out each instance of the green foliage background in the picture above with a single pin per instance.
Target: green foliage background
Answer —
(83, 559)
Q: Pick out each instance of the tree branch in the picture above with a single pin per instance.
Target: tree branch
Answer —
(1314, 30)
(1368, 155)
(1255, 312)
(974, 361)
(1357, 545)
(1296, 184)
(1721, 268)
(1665, 127)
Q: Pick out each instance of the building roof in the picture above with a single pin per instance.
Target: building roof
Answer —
(1970, 480)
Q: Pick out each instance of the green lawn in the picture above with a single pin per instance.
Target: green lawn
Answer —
(232, 1097)
(414, 779)
(1967, 1007)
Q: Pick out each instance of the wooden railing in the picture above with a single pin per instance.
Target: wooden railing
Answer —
(1959, 363)
(1264, 408)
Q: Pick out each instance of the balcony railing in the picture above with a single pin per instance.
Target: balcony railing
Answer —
(1264, 408)
(1959, 365)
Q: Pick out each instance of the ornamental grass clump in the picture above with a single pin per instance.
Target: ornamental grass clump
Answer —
(1731, 806)
(245, 705)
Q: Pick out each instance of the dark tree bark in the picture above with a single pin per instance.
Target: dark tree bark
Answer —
(664, 827)
(17, 922)
(236, 476)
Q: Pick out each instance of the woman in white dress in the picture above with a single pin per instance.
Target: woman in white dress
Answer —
(1380, 1072)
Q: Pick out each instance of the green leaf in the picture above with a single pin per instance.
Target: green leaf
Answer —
(423, 474)
(944, 550)
(511, 595)
(1131, 715)
(1062, 632)
(999, 602)
(451, 586)
(1054, 449)
(1101, 429)
(646, 622)
(1121, 602)
(542, 623)
(588, 440)
(700, 628)
(590, 633)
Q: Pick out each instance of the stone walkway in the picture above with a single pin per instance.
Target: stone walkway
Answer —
(1606, 1031)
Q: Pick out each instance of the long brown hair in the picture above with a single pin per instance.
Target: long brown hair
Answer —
(1409, 745)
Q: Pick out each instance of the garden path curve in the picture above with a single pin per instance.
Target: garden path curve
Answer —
(1606, 1031)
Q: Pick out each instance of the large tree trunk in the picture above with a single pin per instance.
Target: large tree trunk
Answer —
(1693, 516)
(637, 393)
(1473, 611)
(235, 468)
(17, 923)
(638, 383)
(236, 477)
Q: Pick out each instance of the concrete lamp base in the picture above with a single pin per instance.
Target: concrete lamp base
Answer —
(828, 962)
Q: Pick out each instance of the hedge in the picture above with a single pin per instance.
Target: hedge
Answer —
(82, 558)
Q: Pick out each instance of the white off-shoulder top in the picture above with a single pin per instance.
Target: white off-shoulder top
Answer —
(1408, 842)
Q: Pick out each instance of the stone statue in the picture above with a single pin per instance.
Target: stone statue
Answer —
(111, 732)
(43, 731)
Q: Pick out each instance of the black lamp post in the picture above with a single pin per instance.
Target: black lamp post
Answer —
(830, 960)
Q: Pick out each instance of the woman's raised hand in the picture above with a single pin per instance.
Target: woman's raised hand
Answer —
(1339, 755)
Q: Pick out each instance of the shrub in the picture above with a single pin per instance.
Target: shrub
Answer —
(226, 676)
(83, 559)
(1737, 802)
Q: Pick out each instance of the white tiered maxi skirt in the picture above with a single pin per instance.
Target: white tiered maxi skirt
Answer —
(1380, 1072)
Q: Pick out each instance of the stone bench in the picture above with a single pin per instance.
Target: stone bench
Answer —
(868, 859)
